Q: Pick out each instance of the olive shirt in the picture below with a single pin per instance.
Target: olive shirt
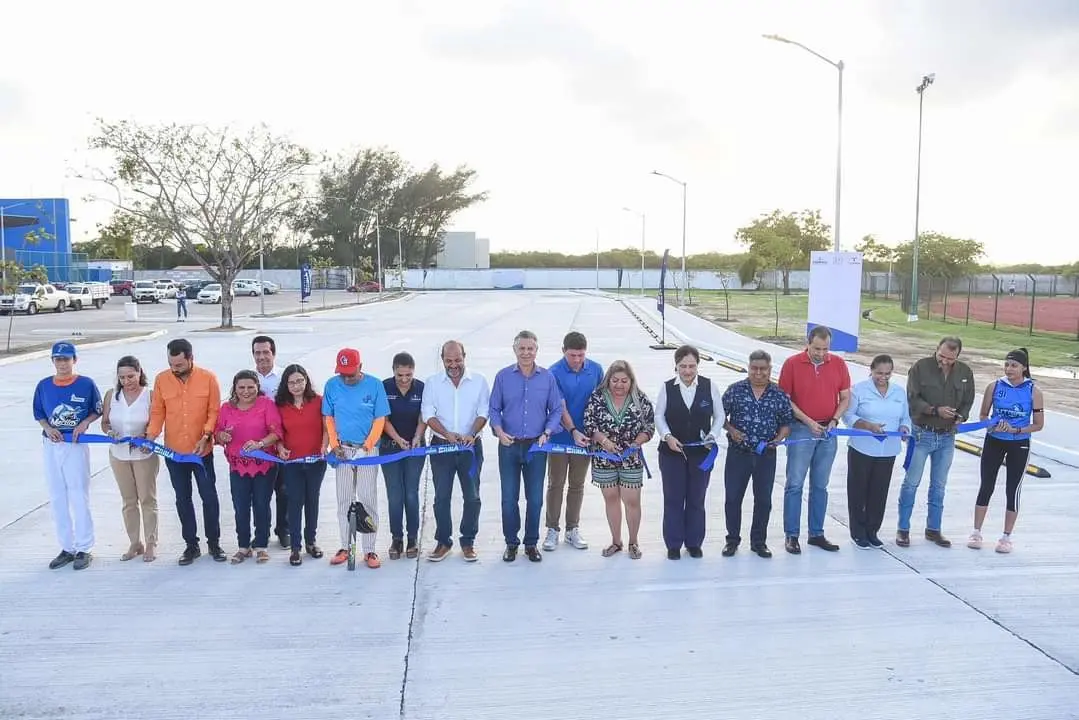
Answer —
(928, 389)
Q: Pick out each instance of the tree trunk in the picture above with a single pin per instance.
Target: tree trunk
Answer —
(227, 298)
(787, 281)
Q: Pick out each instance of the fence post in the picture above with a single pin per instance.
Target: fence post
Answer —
(1033, 299)
(996, 298)
(970, 289)
(928, 297)
(947, 287)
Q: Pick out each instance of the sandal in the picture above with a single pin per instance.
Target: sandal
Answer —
(134, 551)
(149, 555)
(262, 556)
(295, 558)
(240, 556)
(634, 551)
(612, 549)
(314, 551)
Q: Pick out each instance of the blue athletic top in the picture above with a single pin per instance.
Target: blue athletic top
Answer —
(1015, 405)
(65, 406)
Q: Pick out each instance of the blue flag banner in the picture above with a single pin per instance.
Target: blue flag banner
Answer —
(560, 449)
(305, 281)
(143, 443)
(661, 298)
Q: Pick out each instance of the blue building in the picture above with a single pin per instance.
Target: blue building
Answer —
(37, 231)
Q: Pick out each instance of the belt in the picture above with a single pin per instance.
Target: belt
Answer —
(938, 431)
(525, 441)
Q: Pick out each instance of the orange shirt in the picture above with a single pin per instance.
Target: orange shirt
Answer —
(186, 410)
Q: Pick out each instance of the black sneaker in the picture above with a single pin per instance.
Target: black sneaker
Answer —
(82, 560)
(822, 542)
(674, 554)
(875, 541)
(191, 553)
(61, 560)
(695, 552)
(216, 552)
(861, 543)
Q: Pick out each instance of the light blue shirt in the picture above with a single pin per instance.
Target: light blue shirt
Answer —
(890, 410)
(576, 388)
(354, 407)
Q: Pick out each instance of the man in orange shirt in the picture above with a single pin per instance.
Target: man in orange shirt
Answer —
(818, 384)
(186, 402)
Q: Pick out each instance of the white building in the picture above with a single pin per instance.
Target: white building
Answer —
(463, 250)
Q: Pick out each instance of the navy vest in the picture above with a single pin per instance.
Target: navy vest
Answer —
(689, 424)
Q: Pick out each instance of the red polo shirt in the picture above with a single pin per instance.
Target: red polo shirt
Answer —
(303, 427)
(815, 388)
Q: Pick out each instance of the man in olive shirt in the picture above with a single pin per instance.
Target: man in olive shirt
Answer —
(940, 391)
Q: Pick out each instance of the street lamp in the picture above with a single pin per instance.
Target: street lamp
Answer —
(839, 131)
(685, 278)
(912, 309)
(641, 214)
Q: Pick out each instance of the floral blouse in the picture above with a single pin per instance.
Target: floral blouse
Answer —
(622, 427)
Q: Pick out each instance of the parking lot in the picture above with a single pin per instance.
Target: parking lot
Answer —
(109, 322)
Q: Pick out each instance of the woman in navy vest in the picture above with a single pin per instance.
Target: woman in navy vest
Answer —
(1016, 403)
(689, 416)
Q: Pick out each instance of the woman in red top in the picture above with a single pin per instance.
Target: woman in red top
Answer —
(304, 437)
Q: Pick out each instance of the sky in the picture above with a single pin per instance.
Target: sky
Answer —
(565, 108)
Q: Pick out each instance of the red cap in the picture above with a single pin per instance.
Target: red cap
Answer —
(348, 362)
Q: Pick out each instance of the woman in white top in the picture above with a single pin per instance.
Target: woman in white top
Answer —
(126, 413)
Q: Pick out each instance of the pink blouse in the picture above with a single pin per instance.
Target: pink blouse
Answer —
(255, 423)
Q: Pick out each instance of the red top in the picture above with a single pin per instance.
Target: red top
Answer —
(815, 388)
(303, 428)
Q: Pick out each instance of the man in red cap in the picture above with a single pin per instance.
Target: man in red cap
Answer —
(355, 407)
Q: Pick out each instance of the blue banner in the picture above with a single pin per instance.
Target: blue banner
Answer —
(333, 460)
(305, 281)
(661, 297)
(560, 449)
(143, 443)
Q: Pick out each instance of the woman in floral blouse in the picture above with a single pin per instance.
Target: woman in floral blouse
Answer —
(618, 417)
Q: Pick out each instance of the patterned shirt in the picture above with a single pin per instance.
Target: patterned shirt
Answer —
(758, 419)
(621, 427)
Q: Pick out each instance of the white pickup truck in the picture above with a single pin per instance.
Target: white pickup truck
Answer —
(147, 291)
(32, 298)
(88, 294)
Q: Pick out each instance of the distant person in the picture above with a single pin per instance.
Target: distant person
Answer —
(1017, 403)
(181, 304)
(65, 406)
(304, 435)
(264, 352)
(1011, 288)
(940, 392)
(404, 430)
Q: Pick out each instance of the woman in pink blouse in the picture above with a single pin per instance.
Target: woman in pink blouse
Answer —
(249, 421)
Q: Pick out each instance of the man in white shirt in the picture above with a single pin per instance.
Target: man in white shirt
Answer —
(264, 350)
(455, 407)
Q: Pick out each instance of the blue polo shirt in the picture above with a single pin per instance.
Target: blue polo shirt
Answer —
(576, 387)
(404, 408)
(354, 407)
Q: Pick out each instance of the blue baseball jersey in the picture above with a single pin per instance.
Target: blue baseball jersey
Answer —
(65, 406)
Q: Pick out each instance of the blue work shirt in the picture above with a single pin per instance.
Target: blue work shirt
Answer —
(404, 408)
(576, 387)
(354, 407)
(758, 419)
(525, 407)
(890, 410)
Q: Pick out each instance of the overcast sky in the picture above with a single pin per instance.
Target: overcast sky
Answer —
(565, 107)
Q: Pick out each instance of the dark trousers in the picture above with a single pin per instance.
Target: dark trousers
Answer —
(685, 487)
(280, 491)
(303, 485)
(206, 480)
(403, 494)
(742, 466)
(444, 469)
(868, 479)
(251, 494)
(515, 466)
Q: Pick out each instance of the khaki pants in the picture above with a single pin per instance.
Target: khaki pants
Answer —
(558, 467)
(137, 480)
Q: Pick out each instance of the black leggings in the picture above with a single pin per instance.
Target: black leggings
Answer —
(1013, 454)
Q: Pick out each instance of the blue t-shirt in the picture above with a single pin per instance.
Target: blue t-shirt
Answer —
(404, 408)
(1014, 404)
(354, 407)
(65, 406)
(576, 388)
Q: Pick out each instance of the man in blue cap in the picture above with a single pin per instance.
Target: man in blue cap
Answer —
(65, 406)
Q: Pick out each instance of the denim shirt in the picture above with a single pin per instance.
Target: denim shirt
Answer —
(891, 411)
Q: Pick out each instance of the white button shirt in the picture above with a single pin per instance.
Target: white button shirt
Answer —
(689, 392)
(269, 383)
(455, 406)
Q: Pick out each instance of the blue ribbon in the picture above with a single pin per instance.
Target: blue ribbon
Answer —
(333, 460)
(858, 432)
(155, 448)
(560, 449)
(710, 459)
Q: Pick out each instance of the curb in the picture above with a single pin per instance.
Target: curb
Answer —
(344, 306)
(38, 354)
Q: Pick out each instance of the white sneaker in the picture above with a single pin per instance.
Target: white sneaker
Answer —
(974, 542)
(551, 541)
(573, 537)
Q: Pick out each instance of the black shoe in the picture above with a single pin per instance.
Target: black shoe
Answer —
(533, 553)
(216, 552)
(674, 554)
(82, 560)
(822, 542)
(875, 541)
(761, 550)
(282, 537)
(792, 546)
(191, 552)
(730, 549)
(861, 543)
(511, 553)
(61, 560)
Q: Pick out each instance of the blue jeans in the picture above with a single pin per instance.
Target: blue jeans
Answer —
(814, 458)
(303, 484)
(514, 464)
(206, 479)
(403, 494)
(444, 468)
(251, 493)
(938, 448)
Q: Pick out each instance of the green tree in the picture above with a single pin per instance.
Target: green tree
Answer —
(218, 195)
(875, 253)
(785, 240)
(12, 274)
(940, 255)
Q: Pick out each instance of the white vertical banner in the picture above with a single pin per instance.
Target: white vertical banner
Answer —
(835, 296)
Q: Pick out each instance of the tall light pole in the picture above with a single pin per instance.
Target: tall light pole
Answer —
(685, 278)
(912, 309)
(641, 214)
(838, 65)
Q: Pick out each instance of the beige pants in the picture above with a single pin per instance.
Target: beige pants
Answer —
(357, 482)
(558, 468)
(138, 489)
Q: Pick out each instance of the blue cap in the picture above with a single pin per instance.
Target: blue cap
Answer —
(63, 350)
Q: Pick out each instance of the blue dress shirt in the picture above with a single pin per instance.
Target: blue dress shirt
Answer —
(890, 410)
(525, 407)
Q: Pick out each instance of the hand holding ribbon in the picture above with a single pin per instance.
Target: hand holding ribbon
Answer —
(560, 449)
(143, 443)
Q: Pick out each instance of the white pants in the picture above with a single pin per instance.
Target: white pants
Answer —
(357, 483)
(67, 471)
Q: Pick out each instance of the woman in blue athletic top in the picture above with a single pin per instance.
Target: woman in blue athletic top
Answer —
(1016, 403)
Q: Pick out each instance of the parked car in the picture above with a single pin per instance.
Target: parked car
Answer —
(90, 294)
(32, 297)
(246, 287)
(168, 287)
(270, 288)
(210, 295)
(192, 288)
(121, 287)
(147, 291)
(368, 286)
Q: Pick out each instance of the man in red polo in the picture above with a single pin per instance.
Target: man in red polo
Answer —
(819, 387)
